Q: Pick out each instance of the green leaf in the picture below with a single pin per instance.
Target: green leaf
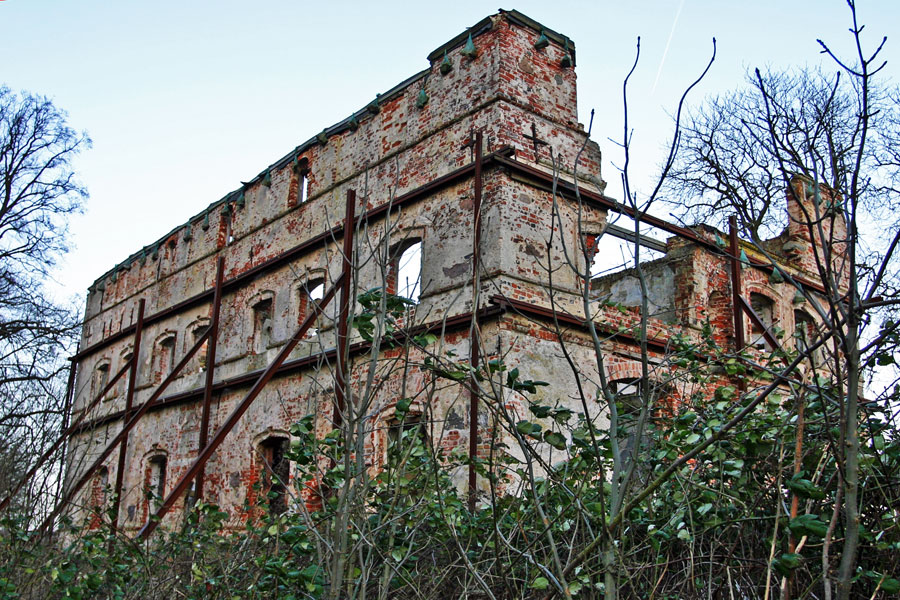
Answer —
(541, 583)
(786, 563)
(528, 428)
(496, 365)
(555, 439)
(692, 439)
(562, 415)
(687, 417)
(512, 377)
(804, 487)
(539, 410)
(808, 525)
(890, 585)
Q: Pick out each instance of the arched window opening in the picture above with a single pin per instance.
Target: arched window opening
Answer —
(276, 470)
(406, 439)
(764, 307)
(101, 487)
(312, 291)
(806, 334)
(591, 243)
(156, 480)
(304, 187)
(126, 357)
(405, 270)
(99, 493)
(299, 186)
(197, 332)
(628, 394)
(262, 325)
(164, 357)
(100, 379)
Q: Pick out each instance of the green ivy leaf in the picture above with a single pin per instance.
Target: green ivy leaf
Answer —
(808, 525)
(555, 439)
(786, 563)
(804, 487)
(541, 583)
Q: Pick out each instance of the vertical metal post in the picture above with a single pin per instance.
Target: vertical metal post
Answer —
(343, 377)
(736, 308)
(210, 369)
(67, 406)
(473, 337)
(129, 401)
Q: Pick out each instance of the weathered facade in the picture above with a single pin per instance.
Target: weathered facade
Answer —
(471, 233)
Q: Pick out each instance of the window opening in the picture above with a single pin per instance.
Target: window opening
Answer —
(304, 187)
(98, 498)
(312, 291)
(405, 271)
(407, 438)
(764, 308)
(200, 357)
(126, 358)
(806, 334)
(262, 325)
(165, 357)
(411, 426)
(276, 470)
(628, 394)
(101, 378)
(156, 480)
(101, 481)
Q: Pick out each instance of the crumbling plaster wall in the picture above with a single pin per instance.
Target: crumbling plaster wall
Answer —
(391, 148)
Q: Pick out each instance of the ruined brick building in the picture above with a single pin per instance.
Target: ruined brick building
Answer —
(451, 181)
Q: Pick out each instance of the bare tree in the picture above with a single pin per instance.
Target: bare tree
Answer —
(831, 142)
(737, 149)
(39, 191)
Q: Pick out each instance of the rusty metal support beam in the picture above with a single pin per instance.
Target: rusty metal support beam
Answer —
(734, 251)
(129, 404)
(126, 428)
(210, 370)
(474, 345)
(342, 375)
(68, 431)
(234, 417)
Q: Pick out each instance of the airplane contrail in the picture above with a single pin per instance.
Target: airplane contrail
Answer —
(662, 61)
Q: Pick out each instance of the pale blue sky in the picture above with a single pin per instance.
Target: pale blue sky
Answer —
(185, 99)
